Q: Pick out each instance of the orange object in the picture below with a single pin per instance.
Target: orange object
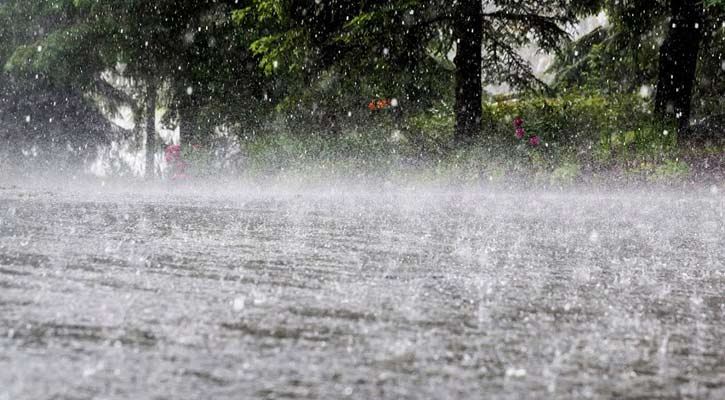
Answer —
(379, 104)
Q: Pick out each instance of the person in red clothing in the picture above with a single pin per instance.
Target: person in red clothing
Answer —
(176, 162)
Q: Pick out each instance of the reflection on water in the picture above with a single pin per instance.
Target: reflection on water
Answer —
(358, 294)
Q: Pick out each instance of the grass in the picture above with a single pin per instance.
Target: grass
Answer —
(389, 154)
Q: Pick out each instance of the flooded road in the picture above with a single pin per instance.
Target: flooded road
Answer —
(361, 294)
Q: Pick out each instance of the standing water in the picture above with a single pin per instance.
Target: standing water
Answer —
(351, 293)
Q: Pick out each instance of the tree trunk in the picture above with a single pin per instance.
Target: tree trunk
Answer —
(469, 40)
(678, 63)
(187, 119)
(150, 128)
(186, 127)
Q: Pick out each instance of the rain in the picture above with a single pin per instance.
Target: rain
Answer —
(397, 199)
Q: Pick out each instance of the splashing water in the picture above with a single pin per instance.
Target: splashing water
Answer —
(353, 293)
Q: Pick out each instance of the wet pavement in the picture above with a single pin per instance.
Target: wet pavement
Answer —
(361, 293)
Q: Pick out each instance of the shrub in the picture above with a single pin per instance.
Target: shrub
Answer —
(566, 174)
(570, 121)
(431, 132)
(672, 169)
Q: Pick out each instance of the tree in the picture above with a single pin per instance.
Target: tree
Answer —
(187, 54)
(43, 102)
(655, 44)
(678, 62)
(469, 40)
(411, 40)
(215, 79)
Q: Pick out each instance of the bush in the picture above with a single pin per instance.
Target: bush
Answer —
(371, 149)
(431, 132)
(581, 135)
(672, 169)
(571, 121)
(566, 174)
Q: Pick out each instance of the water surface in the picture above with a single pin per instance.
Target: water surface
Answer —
(375, 293)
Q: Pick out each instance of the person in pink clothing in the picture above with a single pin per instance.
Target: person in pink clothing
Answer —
(174, 158)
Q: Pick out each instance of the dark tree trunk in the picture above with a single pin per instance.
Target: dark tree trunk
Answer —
(186, 126)
(150, 128)
(187, 119)
(678, 63)
(469, 40)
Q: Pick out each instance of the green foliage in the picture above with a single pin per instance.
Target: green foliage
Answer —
(394, 49)
(577, 132)
(432, 130)
(622, 57)
(600, 62)
(672, 169)
(48, 59)
(61, 56)
(199, 160)
(648, 139)
(566, 174)
(569, 121)
(368, 151)
(664, 171)
(309, 69)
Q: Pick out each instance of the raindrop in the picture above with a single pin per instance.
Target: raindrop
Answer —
(189, 90)
(238, 303)
(515, 372)
(40, 48)
(645, 91)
